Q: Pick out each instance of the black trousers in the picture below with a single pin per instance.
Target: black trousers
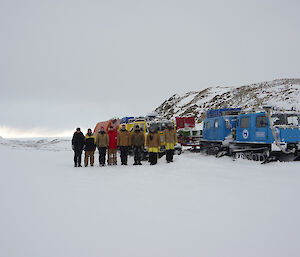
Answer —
(152, 158)
(137, 151)
(169, 155)
(124, 154)
(102, 155)
(77, 156)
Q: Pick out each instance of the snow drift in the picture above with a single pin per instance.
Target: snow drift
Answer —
(196, 206)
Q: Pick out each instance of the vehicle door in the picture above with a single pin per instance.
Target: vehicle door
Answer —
(243, 128)
(261, 128)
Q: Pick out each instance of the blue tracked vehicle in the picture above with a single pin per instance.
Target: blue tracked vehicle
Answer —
(260, 136)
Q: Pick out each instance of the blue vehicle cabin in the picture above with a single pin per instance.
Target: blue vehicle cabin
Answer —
(255, 128)
(219, 123)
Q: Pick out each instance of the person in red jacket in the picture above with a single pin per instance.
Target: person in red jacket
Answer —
(112, 146)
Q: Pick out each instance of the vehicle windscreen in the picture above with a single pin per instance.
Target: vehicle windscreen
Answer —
(286, 119)
(279, 119)
(161, 126)
(293, 120)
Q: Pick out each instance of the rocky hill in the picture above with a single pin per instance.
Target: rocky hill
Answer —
(280, 93)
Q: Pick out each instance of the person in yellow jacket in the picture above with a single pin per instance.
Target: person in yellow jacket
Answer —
(124, 142)
(170, 137)
(89, 147)
(153, 145)
(102, 141)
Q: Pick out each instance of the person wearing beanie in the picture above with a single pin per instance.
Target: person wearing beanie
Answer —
(153, 145)
(170, 137)
(102, 142)
(77, 146)
(123, 141)
(112, 146)
(90, 147)
(137, 142)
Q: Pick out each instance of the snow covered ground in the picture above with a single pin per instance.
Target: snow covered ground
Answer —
(196, 206)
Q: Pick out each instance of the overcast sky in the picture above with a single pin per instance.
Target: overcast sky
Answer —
(68, 63)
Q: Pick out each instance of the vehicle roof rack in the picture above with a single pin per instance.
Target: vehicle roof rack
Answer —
(222, 112)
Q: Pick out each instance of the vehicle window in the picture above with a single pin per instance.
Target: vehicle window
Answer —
(216, 125)
(279, 119)
(261, 121)
(208, 125)
(194, 133)
(227, 124)
(245, 122)
(293, 120)
(155, 126)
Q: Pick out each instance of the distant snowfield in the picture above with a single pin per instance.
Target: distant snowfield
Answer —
(196, 206)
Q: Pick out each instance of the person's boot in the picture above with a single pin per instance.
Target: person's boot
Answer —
(75, 165)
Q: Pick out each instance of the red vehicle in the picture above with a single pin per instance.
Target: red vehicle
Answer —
(185, 122)
(106, 124)
(187, 134)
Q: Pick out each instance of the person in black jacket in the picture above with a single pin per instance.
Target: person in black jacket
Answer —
(77, 146)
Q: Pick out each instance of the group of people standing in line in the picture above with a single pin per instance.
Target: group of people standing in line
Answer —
(124, 140)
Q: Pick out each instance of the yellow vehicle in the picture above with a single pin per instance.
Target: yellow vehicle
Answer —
(128, 125)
